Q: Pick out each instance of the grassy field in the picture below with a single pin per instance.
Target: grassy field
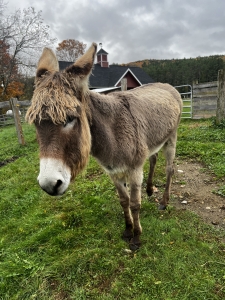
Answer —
(71, 247)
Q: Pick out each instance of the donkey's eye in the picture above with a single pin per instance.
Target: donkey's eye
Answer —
(69, 120)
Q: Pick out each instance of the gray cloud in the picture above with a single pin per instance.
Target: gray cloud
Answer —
(133, 30)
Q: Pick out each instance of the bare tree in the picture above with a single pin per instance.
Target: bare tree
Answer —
(2, 7)
(5, 23)
(70, 50)
(26, 35)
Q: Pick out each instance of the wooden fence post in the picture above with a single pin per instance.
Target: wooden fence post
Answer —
(124, 84)
(220, 112)
(15, 109)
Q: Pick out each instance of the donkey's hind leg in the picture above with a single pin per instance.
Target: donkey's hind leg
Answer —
(121, 187)
(169, 150)
(152, 160)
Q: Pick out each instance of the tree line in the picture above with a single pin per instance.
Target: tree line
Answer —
(184, 71)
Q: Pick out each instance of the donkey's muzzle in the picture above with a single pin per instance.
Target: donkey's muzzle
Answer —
(54, 176)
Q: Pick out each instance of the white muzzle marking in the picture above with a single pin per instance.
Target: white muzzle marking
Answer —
(54, 177)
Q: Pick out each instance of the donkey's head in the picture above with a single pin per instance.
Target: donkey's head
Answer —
(59, 111)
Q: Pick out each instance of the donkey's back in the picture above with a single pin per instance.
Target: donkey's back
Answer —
(157, 108)
(144, 117)
(153, 99)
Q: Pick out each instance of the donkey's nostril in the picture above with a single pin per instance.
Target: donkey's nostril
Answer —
(55, 189)
(58, 183)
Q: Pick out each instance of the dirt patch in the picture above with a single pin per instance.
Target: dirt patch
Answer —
(7, 161)
(193, 188)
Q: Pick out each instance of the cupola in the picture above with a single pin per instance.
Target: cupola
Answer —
(102, 57)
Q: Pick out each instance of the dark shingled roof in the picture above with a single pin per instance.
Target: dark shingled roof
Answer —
(107, 77)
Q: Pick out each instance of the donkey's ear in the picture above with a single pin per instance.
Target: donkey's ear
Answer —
(47, 63)
(84, 64)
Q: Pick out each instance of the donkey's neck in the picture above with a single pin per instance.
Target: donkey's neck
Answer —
(104, 111)
(117, 135)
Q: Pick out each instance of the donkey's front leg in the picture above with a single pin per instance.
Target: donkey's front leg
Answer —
(125, 203)
(135, 205)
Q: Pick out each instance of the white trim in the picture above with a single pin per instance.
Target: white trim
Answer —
(102, 90)
(125, 74)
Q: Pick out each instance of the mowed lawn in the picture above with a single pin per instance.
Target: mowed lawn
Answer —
(70, 247)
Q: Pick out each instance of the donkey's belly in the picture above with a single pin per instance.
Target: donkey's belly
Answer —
(154, 150)
(119, 172)
(120, 167)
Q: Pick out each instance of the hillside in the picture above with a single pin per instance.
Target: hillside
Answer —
(183, 71)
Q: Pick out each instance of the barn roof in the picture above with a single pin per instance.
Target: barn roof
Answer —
(108, 77)
(105, 75)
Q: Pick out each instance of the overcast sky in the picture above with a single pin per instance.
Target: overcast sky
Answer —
(132, 30)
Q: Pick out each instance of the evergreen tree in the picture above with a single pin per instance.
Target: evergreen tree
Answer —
(184, 71)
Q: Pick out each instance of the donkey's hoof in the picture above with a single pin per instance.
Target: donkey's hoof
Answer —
(135, 244)
(149, 191)
(134, 247)
(162, 207)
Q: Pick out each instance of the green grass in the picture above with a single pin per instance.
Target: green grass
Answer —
(204, 142)
(71, 248)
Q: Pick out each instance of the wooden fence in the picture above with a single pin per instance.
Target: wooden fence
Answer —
(204, 102)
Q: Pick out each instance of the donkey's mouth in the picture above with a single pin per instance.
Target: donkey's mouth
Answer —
(58, 188)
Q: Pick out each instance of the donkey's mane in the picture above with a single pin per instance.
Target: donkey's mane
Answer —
(55, 97)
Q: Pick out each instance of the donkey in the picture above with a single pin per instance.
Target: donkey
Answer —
(121, 130)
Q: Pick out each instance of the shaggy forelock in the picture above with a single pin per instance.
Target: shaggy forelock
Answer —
(54, 98)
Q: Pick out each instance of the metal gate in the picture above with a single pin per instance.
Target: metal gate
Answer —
(187, 100)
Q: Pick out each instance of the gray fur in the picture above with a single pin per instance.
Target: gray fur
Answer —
(127, 127)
